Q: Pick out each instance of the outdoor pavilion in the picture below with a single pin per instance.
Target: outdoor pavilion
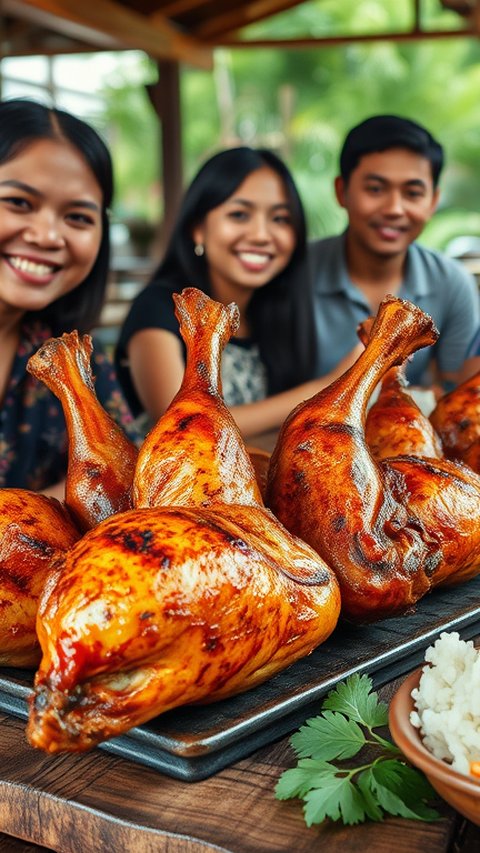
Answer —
(173, 32)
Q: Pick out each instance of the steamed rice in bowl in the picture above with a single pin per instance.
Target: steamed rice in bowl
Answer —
(447, 703)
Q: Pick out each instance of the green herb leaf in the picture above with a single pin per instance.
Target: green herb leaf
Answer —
(328, 736)
(352, 794)
(299, 780)
(336, 798)
(400, 790)
(354, 698)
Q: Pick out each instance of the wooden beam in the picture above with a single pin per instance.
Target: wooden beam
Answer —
(332, 41)
(107, 22)
(165, 98)
(241, 16)
(178, 7)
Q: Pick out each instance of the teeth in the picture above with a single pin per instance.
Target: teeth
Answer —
(253, 258)
(30, 266)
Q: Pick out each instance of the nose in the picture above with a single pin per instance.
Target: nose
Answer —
(44, 230)
(259, 229)
(394, 203)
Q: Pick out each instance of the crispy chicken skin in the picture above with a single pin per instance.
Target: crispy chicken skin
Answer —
(456, 418)
(101, 459)
(35, 531)
(368, 520)
(395, 424)
(198, 453)
(195, 594)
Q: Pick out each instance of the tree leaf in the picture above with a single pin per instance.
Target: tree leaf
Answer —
(330, 735)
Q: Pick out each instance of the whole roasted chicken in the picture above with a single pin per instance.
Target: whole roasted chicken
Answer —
(35, 531)
(101, 459)
(456, 418)
(395, 424)
(391, 529)
(195, 594)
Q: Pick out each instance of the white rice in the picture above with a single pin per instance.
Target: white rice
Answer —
(447, 701)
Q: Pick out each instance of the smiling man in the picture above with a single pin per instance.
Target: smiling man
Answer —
(388, 185)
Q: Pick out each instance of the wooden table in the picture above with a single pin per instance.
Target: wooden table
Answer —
(99, 803)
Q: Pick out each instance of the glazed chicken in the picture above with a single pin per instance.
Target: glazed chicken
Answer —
(101, 459)
(390, 530)
(35, 531)
(395, 424)
(196, 594)
(456, 418)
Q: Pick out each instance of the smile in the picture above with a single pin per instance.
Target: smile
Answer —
(32, 267)
(254, 258)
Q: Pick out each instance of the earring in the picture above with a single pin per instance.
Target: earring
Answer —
(199, 250)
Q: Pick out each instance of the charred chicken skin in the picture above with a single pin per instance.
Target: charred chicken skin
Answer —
(456, 418)
(395, 424)
(101, 459)
(373, 522)
(35, 531)
(194, 595)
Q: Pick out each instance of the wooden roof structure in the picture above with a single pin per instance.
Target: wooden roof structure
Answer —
(174, 32)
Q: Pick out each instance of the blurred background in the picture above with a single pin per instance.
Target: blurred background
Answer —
(298, 100)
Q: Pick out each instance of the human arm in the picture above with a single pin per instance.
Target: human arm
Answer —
(270, 413)
(471, 365)
(462, 320)
(57, 490)
(157, 366)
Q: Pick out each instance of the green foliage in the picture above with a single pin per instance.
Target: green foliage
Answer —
(384, 785)
(303, 102)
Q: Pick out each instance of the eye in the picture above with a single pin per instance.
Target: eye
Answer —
(80, 219)
(17, 202)
(283, 219)
(239, 215)
(374, 189)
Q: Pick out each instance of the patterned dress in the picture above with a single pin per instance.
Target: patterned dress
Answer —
(33, 438)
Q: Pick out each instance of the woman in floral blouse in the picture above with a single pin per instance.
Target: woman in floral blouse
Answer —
(55, 190)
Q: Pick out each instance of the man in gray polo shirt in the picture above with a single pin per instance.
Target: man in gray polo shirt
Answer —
(388, 184)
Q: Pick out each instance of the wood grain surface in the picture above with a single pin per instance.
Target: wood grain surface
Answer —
(100, 803)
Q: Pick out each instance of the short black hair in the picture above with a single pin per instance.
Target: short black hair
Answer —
(381, 132)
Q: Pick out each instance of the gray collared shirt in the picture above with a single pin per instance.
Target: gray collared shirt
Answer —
(436, 283)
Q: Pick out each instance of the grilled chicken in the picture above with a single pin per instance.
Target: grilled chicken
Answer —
(101, 459)
(456, 418)
(35, 532)
(196, 594)
(373, 522)
(395, 424)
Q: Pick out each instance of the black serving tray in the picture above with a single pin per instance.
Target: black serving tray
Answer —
(195, 741)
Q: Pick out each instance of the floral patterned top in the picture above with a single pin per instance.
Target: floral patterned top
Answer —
(33, 438)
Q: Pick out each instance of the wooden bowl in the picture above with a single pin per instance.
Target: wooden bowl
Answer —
(461, 792)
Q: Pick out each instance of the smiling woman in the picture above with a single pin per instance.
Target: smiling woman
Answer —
(55, 188)
(239, 236)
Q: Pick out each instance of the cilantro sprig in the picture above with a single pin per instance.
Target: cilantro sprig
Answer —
(385, 784)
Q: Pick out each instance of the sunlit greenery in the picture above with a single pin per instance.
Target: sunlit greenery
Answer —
(302, 103)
